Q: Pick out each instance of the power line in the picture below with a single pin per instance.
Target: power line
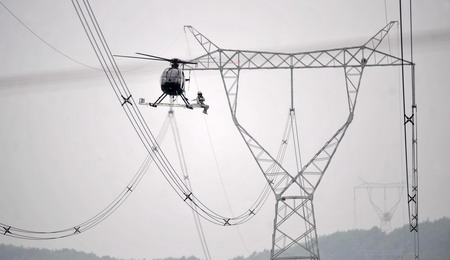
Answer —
(60, 52)
(115, 78)
(44, 41)
(181, 158)
(95, 220)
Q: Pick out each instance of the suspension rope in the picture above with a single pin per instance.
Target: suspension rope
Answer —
(182, 160)
(262, 198)
(216, 161)
(264, 194)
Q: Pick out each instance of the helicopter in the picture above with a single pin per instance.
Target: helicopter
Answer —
(172, 81)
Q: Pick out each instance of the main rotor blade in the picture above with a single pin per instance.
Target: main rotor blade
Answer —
(134, 57)
(165, 59)
(153, 56)
(188, 62)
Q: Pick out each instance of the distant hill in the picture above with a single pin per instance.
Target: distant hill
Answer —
(182, 258)
(373, 244)
(8, 252)
(370, 244)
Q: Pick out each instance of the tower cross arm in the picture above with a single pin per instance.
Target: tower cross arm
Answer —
(367, 54)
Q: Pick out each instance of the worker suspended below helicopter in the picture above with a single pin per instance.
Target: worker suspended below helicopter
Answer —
(172, 84)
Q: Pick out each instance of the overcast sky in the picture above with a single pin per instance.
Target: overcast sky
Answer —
(67, 149)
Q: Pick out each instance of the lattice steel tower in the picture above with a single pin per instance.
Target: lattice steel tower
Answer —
(384, 213)
(294, 191)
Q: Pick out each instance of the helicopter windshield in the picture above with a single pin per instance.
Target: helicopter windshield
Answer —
(173, 75)
(172, 81)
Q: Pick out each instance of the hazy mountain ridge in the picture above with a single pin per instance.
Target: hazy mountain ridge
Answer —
(181, 258)
(8, 252)
(374, 244)
(370, 244)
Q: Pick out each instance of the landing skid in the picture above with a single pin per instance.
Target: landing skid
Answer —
(158, 101)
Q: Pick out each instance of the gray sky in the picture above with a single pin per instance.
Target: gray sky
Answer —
(67, 149)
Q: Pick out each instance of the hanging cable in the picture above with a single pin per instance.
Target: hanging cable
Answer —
(404, 99)
(217, 164)
(44, 41)
(122, 92)
(414, 148)
(412, 184)
(182, 160)
(57, 50)
(262, 198)
(402, 153)
(99, 217)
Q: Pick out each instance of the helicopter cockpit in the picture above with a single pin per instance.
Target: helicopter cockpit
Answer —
(172, 81)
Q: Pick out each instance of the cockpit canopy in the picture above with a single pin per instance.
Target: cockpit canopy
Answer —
(172, 81)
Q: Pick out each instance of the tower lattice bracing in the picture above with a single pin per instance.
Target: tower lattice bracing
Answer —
(294, 190)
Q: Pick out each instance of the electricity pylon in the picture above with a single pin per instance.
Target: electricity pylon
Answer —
(294, 191)
(384, 213)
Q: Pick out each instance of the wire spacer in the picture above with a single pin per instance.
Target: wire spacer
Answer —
(77, 230)
(7, 230)
(188, 196)
(126, 100)
(227, 222)
(412, 198)
(409, 119)
(413, 228)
